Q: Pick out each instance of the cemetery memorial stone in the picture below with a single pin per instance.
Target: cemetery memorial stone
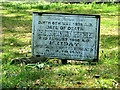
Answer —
(65, 36)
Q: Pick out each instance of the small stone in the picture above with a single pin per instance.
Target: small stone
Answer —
(59, 74)
(79, 83)
(96, 76)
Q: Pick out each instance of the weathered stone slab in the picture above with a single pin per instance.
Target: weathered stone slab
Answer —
(65, 36)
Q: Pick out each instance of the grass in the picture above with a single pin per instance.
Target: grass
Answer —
(16, 43)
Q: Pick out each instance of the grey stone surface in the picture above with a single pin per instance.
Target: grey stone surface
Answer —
(65, 36)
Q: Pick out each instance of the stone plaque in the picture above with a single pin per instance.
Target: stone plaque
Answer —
(65, 36)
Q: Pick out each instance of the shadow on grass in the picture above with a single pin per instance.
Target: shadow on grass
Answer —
(90, 11)
(108, 41)
(16, 25)
(16, 42)
(13, 48)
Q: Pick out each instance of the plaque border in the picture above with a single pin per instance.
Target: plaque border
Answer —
(40, 13)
